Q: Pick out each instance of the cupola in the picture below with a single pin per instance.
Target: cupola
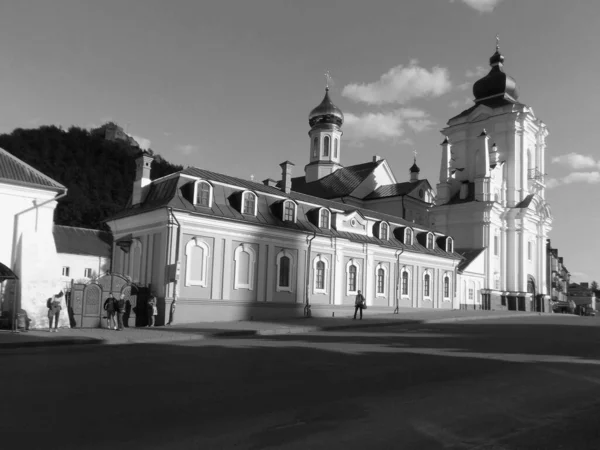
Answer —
(326, 113)
(496, 84)
(414, 171)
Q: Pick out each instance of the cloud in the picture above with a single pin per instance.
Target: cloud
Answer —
(481, 5)
(187, 149)
(143, 142)
(458, 103)
(574, 177)
(580, 275)
(167, 133)
(478, 72)
(464, 86)
(401, 84)
(383, 126)
(577, 161)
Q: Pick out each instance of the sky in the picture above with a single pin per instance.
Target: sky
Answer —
(227, 85)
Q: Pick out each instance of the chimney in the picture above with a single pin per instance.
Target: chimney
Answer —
(286, 176)
(377, 158)
(464, 190)
(142, 176)
(270, 182)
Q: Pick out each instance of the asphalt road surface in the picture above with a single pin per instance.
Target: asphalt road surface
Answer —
(530, 383)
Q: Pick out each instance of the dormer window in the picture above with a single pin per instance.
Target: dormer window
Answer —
(289, 211)
(430, 241)
(324, 218)
(408, 236)
(204, 192)
(450, 245)
(384, 231)
(249, 203)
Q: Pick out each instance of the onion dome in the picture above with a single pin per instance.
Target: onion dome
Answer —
(414, 168)
(326, 112)
(496, 84)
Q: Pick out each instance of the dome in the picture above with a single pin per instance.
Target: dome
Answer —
(326, 112)
(414, 168)
(496, 83)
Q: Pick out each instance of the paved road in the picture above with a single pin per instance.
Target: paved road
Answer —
(530, 383)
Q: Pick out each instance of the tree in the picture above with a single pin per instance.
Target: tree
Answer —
(594, 286)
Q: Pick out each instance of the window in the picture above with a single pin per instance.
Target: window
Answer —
(320, 274)
(249, 203)
(320, 271)
(197, 253)
(324, 218)
(427, 286)
(408, 236)
(421, 193)
(286, 263)
(381, 279)
(326, 146)
(471, 294)
(450, 245)
(497, 281)
(430, 241)
(530, 250)
(289, 211)
(496, 244)
(404, 291)
(383, 231)
(244, 259)
(335, 148)
(446, 287)
(203, 194)
(352, 277)
(87, 273)
(316, 147)
(66, 271)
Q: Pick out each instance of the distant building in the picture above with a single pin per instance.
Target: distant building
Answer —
(582, 295)
(84, 254)
(558, 279)
(27, 202)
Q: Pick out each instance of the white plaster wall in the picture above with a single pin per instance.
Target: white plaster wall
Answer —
(78, 263)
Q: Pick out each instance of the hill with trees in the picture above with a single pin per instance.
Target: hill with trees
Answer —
(97, 172)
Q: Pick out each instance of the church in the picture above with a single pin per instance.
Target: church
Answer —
(215, 247)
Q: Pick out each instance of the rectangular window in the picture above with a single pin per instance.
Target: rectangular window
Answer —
(66, 271)
(324, 220)
(288, 215)
(381, 281)
(471, 294)
(87, 273)
(495, 245)
(404, 283)
(249, 203)
(446, 287)
(320, 275)
(284, 272)
(352, 279)
(204, 194)
(426, 286)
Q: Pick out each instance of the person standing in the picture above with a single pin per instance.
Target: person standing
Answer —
(120, 307)
(152, 309)
(54, 305)
(359, 304)
(110, 307)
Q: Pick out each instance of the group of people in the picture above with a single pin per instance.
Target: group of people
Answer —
(114, 307)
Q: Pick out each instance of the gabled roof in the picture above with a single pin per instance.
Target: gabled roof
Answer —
(469, 255)
(82, 241)
(394, 190)
(340, 183)
(492, 103)
(169, 192)
(15, 171)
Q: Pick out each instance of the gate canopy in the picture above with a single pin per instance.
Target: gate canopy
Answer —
(6, 273)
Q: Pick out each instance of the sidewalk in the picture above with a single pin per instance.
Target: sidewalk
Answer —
(207, 330)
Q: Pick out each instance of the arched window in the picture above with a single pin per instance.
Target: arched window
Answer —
(335, 148)
(408, 236)
(352, 274)
(286, 264)
(383, 231)
(381, 278)
(326, 146)
(324, 218)
(197, 253)
(244, 259)
(316, 147)
(430, 241)
(320, 274)
(427, 285)
(289, 212)
(446, 287)
(450, 245)
(249, 203)
(203, 194)
(405, 277)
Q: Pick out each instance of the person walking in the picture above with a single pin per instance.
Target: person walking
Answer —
(54, 305)
(110, 308)
(359, 304)
(152, 310)
(120, 307)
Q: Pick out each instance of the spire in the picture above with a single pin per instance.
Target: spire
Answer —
(414, 170)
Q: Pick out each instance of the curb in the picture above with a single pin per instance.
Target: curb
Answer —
(50, 343)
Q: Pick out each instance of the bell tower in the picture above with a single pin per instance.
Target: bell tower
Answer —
(325, 139)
